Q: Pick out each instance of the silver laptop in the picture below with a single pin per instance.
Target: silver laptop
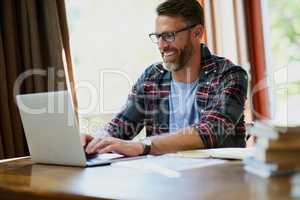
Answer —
(52, 133)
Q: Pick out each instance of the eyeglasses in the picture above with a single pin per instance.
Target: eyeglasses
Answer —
(167, 36)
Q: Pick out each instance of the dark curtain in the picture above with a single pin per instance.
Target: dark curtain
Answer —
(259, 91)
(259, 97)
(33, 40)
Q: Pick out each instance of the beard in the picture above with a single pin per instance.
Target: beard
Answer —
(182, 57)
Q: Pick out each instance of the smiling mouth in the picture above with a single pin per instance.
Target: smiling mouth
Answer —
(168, 55)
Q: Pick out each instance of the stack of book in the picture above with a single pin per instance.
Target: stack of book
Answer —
(276, 151)
(295, 183)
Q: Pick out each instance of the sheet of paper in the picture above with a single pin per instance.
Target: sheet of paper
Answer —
(168, 165)
(109, 156)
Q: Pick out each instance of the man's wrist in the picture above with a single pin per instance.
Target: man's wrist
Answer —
(147, 144)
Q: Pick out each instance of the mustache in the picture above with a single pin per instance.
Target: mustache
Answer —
(168, 49)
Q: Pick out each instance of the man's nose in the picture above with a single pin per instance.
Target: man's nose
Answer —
(162, 43)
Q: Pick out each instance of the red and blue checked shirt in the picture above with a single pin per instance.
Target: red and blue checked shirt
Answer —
(220, 98)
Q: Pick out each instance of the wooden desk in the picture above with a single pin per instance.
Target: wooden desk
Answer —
(21, 179)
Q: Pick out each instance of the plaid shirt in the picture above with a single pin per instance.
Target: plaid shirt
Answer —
(220, 98)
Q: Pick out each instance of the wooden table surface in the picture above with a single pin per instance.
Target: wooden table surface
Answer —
(21, 179)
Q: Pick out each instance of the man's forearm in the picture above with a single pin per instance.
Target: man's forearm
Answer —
(185, 139)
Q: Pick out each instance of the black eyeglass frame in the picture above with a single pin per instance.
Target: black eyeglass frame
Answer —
(165, 34)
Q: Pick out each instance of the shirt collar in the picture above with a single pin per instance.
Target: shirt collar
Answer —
(207, 60)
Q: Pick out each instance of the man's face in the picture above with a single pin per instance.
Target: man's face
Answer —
(177, 53)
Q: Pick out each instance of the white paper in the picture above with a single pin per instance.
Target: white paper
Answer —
(168, 165)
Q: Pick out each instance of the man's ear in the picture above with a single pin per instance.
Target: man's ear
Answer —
(198, 31)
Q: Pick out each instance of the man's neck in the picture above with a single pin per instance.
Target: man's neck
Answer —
(191, 70)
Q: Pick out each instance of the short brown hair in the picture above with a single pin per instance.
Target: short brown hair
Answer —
(190, 10)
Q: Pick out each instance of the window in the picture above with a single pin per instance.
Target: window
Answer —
(110, 49)
(283, 17)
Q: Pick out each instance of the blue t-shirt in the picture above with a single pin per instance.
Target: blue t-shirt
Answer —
(183, 108)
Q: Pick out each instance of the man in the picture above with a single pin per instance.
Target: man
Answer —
(189, 101)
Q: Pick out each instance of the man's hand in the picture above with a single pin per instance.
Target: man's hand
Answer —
(111, 144)
(85, 139)
(184, 139)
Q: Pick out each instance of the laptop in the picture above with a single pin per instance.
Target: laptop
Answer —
(52, 132)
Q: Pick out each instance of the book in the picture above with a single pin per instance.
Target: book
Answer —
(271, 166)
(225, 153)
(277, 149)
(286, 142)
(296, 179)
(265, 173)
(295, 191)
(295, 186)
(265, 170)
(278, 156)
(272, 130)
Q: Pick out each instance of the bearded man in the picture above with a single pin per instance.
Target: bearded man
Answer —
(190, 100)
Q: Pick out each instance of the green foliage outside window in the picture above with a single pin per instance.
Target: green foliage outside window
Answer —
(284, 16)
(284, 19)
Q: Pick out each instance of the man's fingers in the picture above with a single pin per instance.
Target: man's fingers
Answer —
(91, 145)
(89, 138)
(85, 139)
(108, 149)
(100, 145)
